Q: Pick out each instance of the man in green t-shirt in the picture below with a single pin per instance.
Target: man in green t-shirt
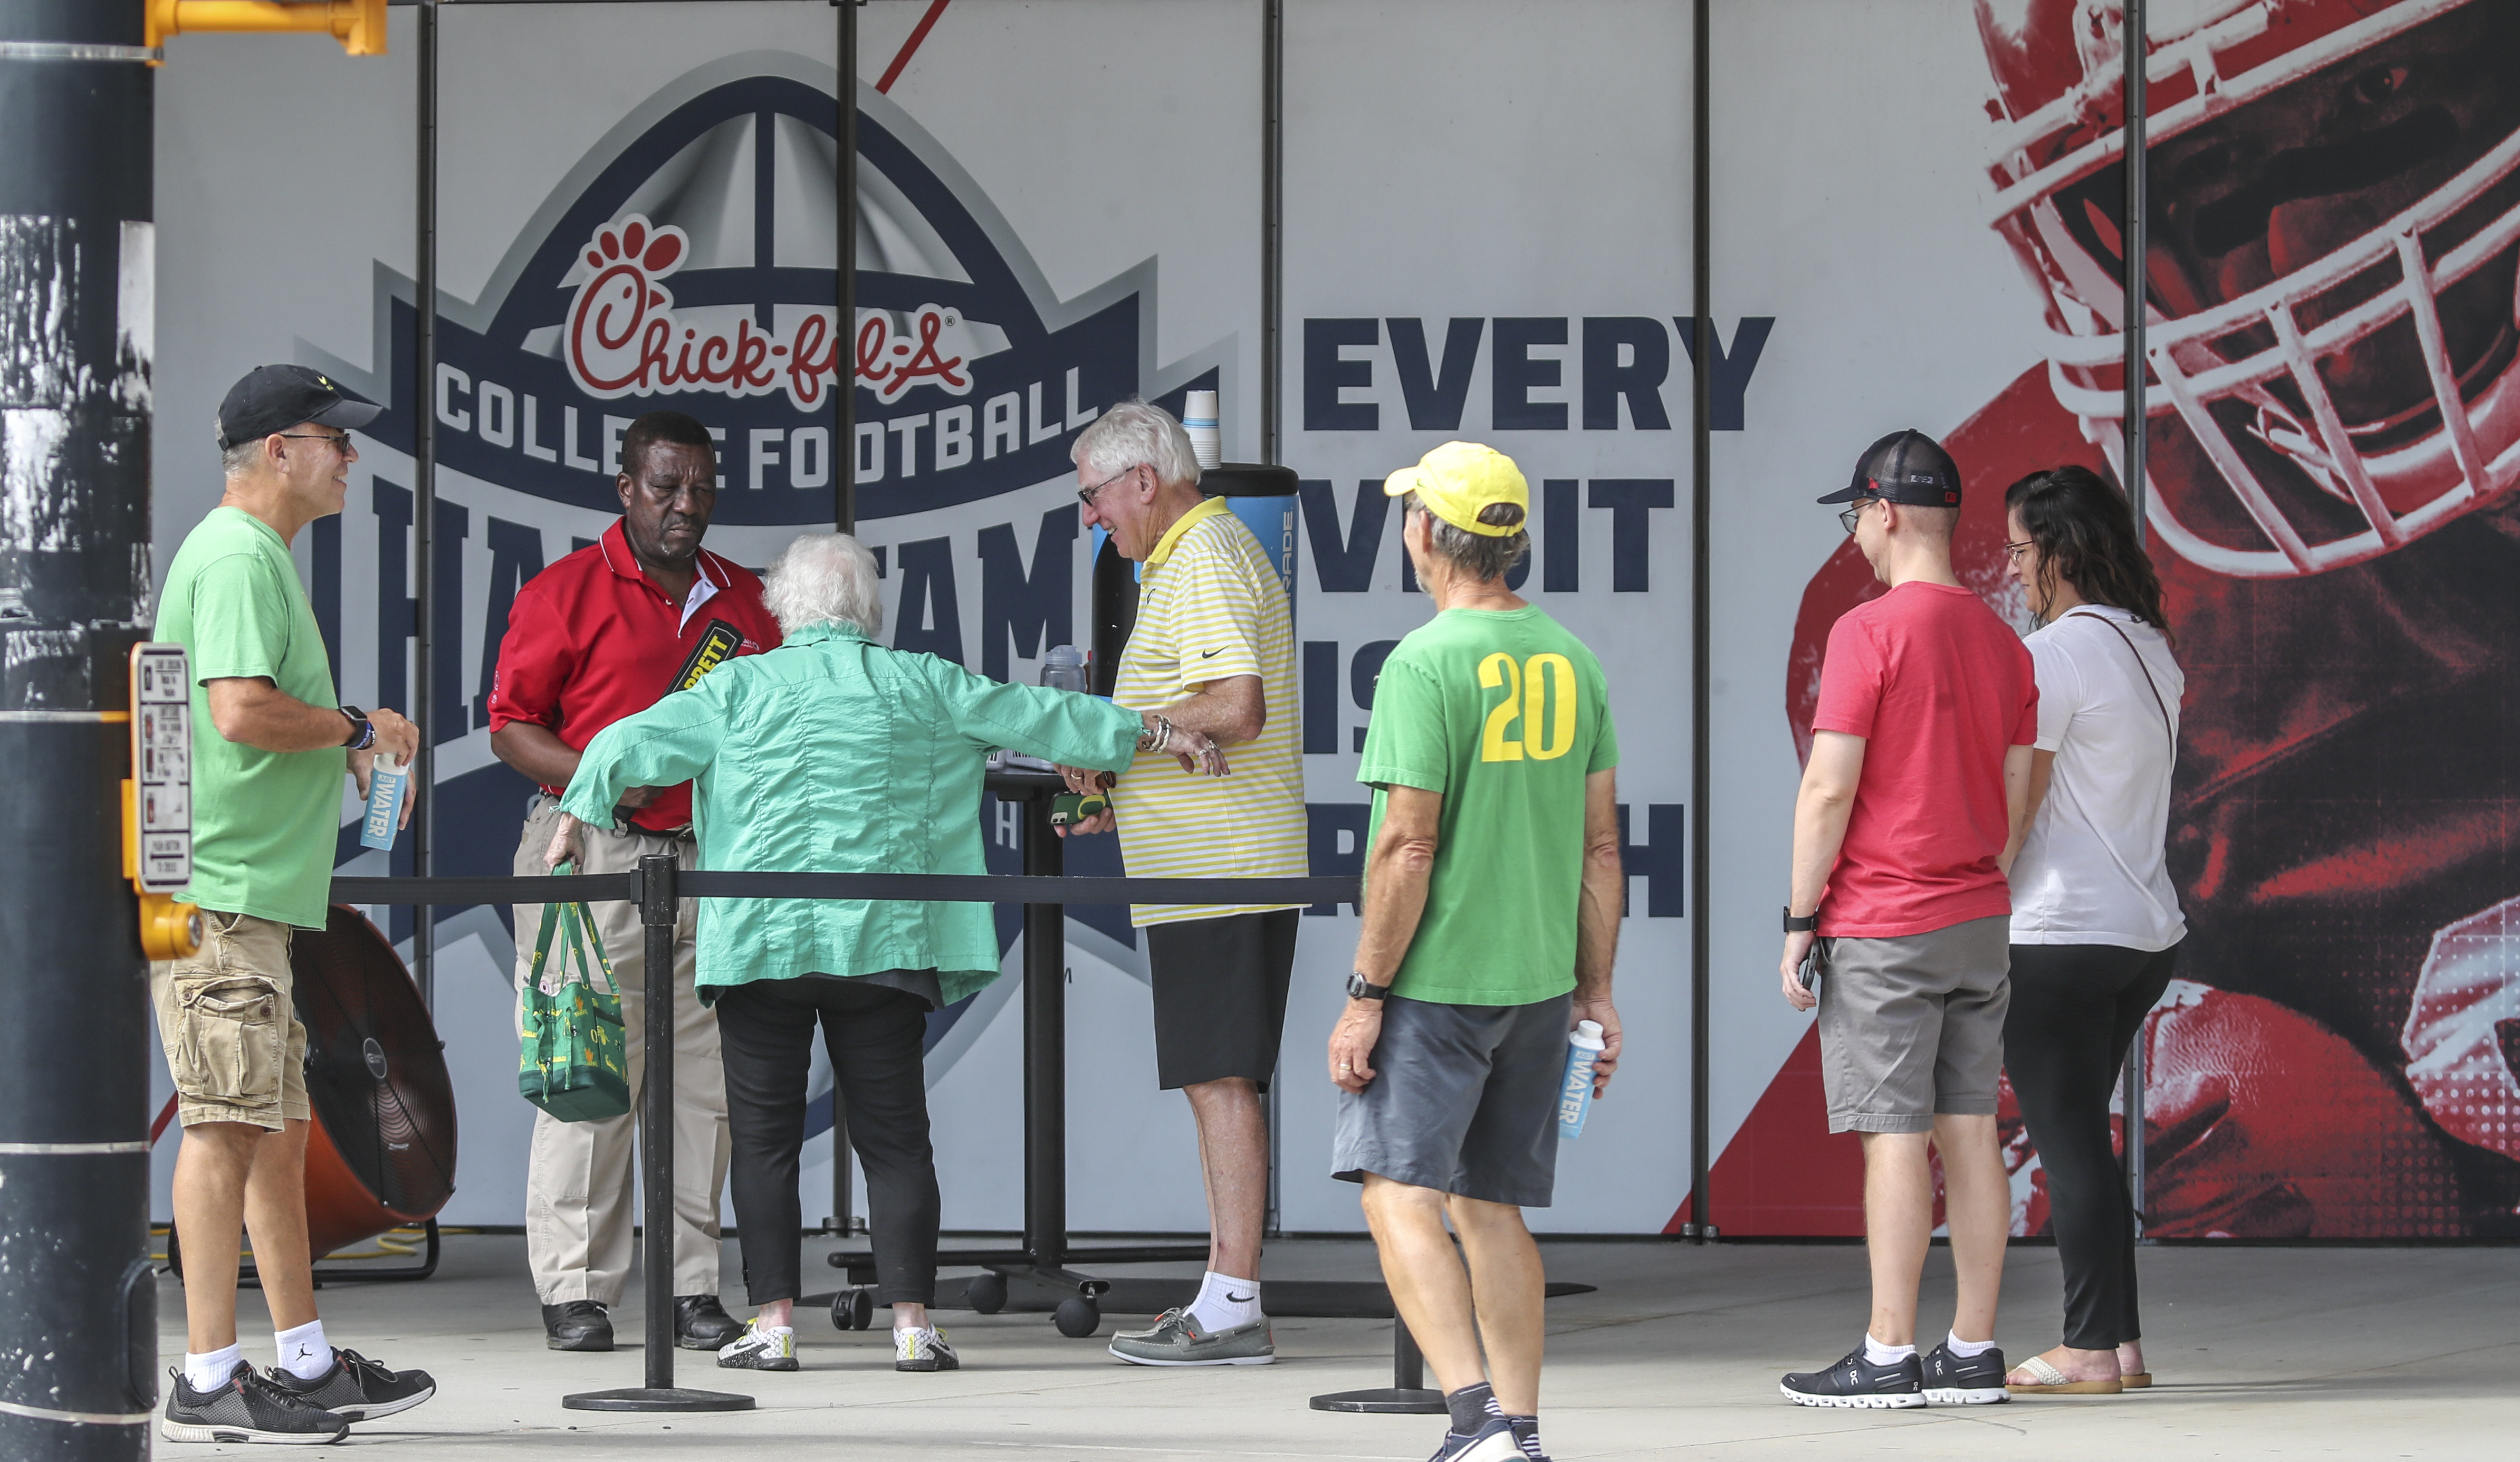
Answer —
(269, 751)
(1493, 893)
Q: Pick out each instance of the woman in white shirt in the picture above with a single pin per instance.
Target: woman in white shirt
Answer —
(2095, 924)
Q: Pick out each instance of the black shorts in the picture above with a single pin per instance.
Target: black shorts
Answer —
(1220, 996)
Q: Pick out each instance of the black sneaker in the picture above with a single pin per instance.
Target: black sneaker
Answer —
(577, 1325)
(1964, 1380)
(249, 1409)
(702, 1323)
(357, 1389)
(1857, 1382)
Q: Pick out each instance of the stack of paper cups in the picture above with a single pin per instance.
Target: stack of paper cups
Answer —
(1198, 419)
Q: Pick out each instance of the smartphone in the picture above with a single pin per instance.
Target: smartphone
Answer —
(1069, 808)
(1814, 968)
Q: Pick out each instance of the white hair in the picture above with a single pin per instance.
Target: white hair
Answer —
(1133, 431)
(823, 578)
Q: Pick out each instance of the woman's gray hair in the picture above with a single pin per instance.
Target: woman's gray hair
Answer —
(1477, 554)
(1133, 431)
(823, 578)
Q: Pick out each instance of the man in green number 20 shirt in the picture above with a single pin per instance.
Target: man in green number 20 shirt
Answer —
(1492, 901)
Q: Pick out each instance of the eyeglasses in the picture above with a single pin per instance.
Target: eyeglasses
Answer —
(340, 440)
(2014, 551)
(1085, 495)
(1855, 515)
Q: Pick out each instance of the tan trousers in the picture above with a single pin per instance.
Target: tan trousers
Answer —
(580, 1204)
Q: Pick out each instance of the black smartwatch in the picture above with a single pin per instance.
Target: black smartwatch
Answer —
(1361, 988)
(1803, 924)
(362, 732)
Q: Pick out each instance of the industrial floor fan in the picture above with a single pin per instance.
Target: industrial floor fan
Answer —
(381, 1152)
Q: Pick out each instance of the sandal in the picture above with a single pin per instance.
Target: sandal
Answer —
(2136, 1380)
(2047, 1381)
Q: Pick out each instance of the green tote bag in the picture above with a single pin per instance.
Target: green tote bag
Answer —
(574, 1062)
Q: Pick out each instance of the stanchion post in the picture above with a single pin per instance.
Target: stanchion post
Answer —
(1045, 1004)
(1408, 1394)
(656, 911)
(659, 901)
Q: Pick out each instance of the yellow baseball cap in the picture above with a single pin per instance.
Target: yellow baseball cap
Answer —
(1458, 479)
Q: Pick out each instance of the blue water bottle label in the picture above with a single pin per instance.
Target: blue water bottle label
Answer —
(385, 783)
(1575, 1093)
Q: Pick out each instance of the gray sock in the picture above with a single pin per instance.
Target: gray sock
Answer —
(1469, 1407)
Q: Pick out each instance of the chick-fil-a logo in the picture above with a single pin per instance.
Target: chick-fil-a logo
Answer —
(624, 338)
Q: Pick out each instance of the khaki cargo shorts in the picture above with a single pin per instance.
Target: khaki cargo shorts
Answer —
(1910, 1027)
(230, 1028)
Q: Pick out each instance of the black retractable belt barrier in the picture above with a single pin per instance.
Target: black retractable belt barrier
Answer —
(1034, 1276)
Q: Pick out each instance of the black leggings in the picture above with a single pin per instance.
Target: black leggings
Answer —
(875, 1035)
(2075, 1010)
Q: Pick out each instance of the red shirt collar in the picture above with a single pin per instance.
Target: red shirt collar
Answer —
(617, 557)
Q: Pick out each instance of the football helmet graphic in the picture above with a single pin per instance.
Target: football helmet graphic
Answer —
(2331, 259)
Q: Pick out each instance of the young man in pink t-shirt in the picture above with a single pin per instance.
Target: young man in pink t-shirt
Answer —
(1911, 809)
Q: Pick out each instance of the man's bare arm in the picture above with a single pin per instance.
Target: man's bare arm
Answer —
(1598, 912)
(1822, 809)
(250, 711)
(1396, 877)
(1397, 874)
(1604, 898)
(1226, 711)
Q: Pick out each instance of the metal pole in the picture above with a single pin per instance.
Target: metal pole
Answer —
(2138, 210)
(1272, 221)
(1272, 297)
(1045, 1013)
(78, 1301)
(844, 324)
(1702, 600)
(659, 904)
(656, 910)
(424, 458)
(845, 443)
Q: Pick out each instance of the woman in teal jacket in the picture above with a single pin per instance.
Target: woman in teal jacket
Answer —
(835, 753)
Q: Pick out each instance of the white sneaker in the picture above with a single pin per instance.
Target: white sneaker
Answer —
(924, 1348)
(761, 1347)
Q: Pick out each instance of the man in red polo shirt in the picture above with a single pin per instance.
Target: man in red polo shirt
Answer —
(604, 633)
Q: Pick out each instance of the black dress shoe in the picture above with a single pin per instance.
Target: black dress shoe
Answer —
(701, 1323)
(577, 1325)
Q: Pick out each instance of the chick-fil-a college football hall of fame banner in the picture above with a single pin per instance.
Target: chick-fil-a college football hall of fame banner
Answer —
(1486, 235)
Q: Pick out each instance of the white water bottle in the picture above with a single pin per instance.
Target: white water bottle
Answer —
(386, 782)
(1575, 1093)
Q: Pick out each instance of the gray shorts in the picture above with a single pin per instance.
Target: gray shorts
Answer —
(1463, 1100)
(1913, 1026)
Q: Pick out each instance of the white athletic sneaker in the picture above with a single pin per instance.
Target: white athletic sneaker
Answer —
(924, 1348)
(761, 1347)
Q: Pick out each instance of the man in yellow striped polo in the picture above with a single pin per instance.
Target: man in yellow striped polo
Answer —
(1213, 652)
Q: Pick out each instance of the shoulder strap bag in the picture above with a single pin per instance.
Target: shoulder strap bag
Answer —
(2145, 670)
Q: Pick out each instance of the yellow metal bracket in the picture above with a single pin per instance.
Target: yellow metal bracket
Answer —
(358, 24)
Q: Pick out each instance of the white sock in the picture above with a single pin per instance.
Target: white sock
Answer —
(1965, 1350)
(1878, 1353)
(211, 1372)
(1224, 1303)
(302, 1351)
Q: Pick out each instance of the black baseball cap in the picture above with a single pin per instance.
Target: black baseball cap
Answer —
(1905, 467)
(276, 397)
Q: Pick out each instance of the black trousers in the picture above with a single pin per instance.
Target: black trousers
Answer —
(874, 1033)
(2075, 1010)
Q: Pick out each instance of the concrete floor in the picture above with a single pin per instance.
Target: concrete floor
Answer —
(2351, 1353)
